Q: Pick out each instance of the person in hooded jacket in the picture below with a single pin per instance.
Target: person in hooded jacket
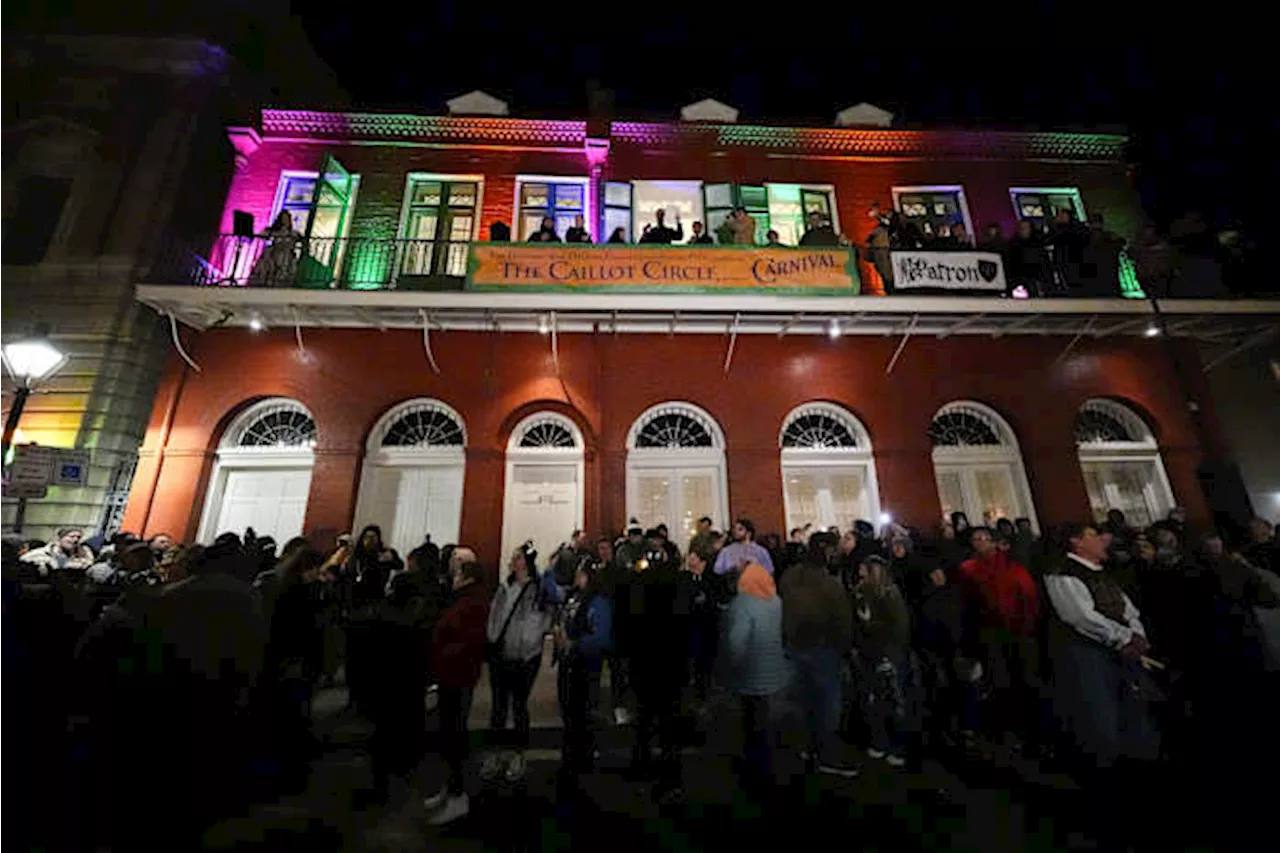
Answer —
(518, 623)
(758, 668)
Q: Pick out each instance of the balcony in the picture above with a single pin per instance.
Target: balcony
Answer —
(317, 263)
(420, 284)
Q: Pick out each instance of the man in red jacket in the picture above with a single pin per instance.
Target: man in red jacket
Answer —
(456, 657)
(1002, 608)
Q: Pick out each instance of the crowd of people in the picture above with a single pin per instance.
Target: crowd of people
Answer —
(1056, 257)
(185, 673)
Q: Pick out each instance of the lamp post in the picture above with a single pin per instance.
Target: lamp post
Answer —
(28, 360)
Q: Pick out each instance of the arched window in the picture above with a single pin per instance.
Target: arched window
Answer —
(676, 468)
(424, 423)
(543, 498)
(262, 472)
(676, 427)
(1121, 463)
(546, 432)
(828, 472)
(274, 423)
(412, 477)
(978, 465)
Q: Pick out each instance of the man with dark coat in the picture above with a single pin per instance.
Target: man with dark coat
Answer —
(655, 633)
(819, 233)
(660, 233)
(817, 627)
(456, 658)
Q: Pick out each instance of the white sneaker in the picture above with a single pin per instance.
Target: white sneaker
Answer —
(895, 761)
(621, 716)
(516, 767)
(875, 753)
(454, 808)
(436, 800)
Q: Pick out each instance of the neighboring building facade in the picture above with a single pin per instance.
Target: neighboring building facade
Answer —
(115, 151)
(386, 364)
(110, 149)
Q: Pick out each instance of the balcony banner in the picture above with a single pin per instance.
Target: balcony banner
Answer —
(689, 269)
(948, 270)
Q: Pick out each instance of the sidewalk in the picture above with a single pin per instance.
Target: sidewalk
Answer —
(933, 809)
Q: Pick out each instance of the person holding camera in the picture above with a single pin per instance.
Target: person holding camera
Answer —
(518, 621)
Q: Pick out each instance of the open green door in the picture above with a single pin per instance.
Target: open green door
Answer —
(326, 221)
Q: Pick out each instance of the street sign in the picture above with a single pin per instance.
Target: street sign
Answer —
(24, 490)
(32, 465)
(70, 468)
(36, 467)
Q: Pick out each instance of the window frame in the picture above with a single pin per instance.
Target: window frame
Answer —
(406, 208)
(517, 207)
(831, 460)
(1144, 450)
(1074, 192)
(958, 189)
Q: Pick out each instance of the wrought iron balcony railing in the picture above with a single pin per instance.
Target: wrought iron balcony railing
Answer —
(356, 263)
(380, 263)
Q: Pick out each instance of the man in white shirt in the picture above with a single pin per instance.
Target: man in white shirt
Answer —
(1097, 646)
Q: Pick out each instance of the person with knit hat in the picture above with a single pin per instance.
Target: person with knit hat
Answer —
(66, 553)
(758, 670)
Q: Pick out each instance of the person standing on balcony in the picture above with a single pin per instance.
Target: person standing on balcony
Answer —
(771, 240)
(1100, 270)
(619, 235)
(546, 233)
(819, 233)
(878, 246)
(742, 228)
(700, 237)
(1024, 260)
(660, 233)
(278, 264)
(577, 233)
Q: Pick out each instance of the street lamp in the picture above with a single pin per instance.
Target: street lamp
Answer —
(28, 360)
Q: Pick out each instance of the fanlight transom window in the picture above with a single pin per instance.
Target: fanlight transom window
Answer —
(279, 425)
(965, 427)
(1104, 422)
(547, 434)
(819, 428)
(425, 425)
(675, 428)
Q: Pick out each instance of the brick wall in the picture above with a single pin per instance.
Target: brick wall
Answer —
(1104, 187)
(349, 378)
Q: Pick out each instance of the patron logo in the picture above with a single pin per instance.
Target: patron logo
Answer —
(948, 270)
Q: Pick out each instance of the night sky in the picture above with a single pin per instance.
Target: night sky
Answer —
(1204, 132)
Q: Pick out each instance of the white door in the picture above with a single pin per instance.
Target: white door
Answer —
(408, 502)
(541, 505)
(826, 496)
(983, 493)
(273, 501)
(676, 497)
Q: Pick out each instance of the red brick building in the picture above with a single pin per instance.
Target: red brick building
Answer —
(392, 383)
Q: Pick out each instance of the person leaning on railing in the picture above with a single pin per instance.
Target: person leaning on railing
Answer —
(278, 263)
